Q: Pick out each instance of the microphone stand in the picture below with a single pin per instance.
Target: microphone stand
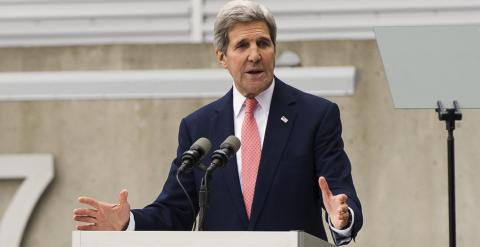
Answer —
(450, 116)
(203, 195)
(219, 158)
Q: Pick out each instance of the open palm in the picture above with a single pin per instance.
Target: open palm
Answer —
(103, 216)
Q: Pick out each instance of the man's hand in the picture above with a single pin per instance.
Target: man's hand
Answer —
(336, 205)
(103, 216)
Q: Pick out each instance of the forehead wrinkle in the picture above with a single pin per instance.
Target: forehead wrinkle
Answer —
(246, 31)
(248, 39)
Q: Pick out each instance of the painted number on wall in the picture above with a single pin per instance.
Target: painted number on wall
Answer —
(36, 170)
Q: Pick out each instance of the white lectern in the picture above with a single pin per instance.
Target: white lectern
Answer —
(195, 239)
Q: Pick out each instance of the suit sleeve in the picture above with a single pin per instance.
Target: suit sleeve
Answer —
(171, 210)
(332, 162)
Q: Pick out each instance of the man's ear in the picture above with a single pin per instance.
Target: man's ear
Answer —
(221, 58)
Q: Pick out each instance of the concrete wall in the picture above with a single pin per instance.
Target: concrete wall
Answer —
(100, 147)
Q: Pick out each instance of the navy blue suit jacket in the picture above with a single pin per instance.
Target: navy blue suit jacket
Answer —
(294, 155)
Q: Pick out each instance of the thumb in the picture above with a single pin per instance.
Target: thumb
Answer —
(123, 197)
(326, 193)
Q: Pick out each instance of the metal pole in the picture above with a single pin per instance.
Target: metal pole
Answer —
(451, 187)
(450, 116)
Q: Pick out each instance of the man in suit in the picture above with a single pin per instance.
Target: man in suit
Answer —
(291, 147)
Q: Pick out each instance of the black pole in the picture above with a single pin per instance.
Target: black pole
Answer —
(203, 192)
(451, 187)
(203, 196)
(450, 116)
(203, 201)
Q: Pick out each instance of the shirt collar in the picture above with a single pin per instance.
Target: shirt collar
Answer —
(264, 99)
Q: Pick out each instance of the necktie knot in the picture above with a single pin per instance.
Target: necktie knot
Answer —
(250, 104)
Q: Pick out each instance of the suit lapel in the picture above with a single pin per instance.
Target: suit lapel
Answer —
(223, 126)
(279, 125)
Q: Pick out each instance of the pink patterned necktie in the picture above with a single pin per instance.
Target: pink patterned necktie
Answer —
(251, 151)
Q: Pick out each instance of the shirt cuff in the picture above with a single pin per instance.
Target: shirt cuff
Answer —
(131, 223)
(342, 236)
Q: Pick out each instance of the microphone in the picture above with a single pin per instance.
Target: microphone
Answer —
(196, 152)
(227, 149)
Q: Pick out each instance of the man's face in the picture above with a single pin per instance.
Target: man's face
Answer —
(250, 57)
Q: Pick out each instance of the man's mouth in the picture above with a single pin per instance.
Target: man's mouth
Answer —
(254, 71)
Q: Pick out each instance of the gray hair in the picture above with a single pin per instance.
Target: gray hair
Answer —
(240, 11)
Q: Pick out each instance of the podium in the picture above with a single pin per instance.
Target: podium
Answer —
(195, 239)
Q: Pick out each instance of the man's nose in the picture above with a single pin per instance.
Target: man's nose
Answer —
(254, 55)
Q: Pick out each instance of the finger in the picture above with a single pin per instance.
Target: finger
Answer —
(344, 217)
(322, 182)
(85, 212)
(342, 209)
(340, 221)
(89, 201)
(342, 198)
(86, 219)
(339, 224)
(123, 197)
(93, 227)
(90, 227)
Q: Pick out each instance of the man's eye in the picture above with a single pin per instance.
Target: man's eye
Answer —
(263, 43)
(241, 45)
